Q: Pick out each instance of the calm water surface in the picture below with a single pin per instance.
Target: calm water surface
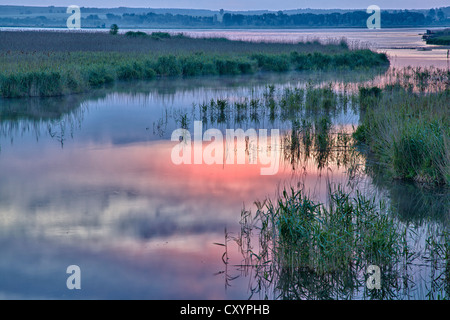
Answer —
(88, 180)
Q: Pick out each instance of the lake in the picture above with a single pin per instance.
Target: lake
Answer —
(90, 180)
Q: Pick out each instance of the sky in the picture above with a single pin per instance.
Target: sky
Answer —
(239, 4)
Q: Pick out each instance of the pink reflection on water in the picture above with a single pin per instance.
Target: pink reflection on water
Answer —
(136, 223)
(112, 184)
(412, 57)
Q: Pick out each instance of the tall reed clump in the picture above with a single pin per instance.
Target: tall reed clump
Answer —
(351, 230)
(313, 243)
(408, 132)
(35, 83)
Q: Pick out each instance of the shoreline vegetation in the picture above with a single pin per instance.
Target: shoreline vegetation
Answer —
(37, 63)
(299, 247)
(302, 248)
(407, 132)
(300, 239)
(437, 37)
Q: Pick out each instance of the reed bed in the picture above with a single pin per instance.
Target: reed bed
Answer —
(158, 43)
(81, 61)
(303, 249)
(408, 132)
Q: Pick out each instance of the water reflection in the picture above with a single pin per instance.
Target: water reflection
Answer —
(419, 271)
(88, 180)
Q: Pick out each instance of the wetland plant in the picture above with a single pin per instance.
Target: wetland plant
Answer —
(313, 250)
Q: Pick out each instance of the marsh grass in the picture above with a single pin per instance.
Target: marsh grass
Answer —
(331, 238)
(307, 249)
(408, 132)
(64, 63)
(308, 135)
(405, 129)
(300, 248)
(279, 105)
(159, 43)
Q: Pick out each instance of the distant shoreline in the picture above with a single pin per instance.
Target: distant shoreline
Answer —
(106, 29)
(223, 19)
(122, 31)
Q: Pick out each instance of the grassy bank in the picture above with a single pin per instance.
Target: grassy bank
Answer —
(407, 132)
(77, 64)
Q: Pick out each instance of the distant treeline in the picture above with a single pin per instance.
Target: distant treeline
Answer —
(401, 18)
(349, 19)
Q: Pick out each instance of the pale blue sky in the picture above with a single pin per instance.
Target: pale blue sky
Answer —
(239, 4)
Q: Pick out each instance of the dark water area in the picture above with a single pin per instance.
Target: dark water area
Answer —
(89, 180)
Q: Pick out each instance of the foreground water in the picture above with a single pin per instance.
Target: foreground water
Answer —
(89, 180)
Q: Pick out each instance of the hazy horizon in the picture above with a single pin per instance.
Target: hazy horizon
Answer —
(234, 5)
